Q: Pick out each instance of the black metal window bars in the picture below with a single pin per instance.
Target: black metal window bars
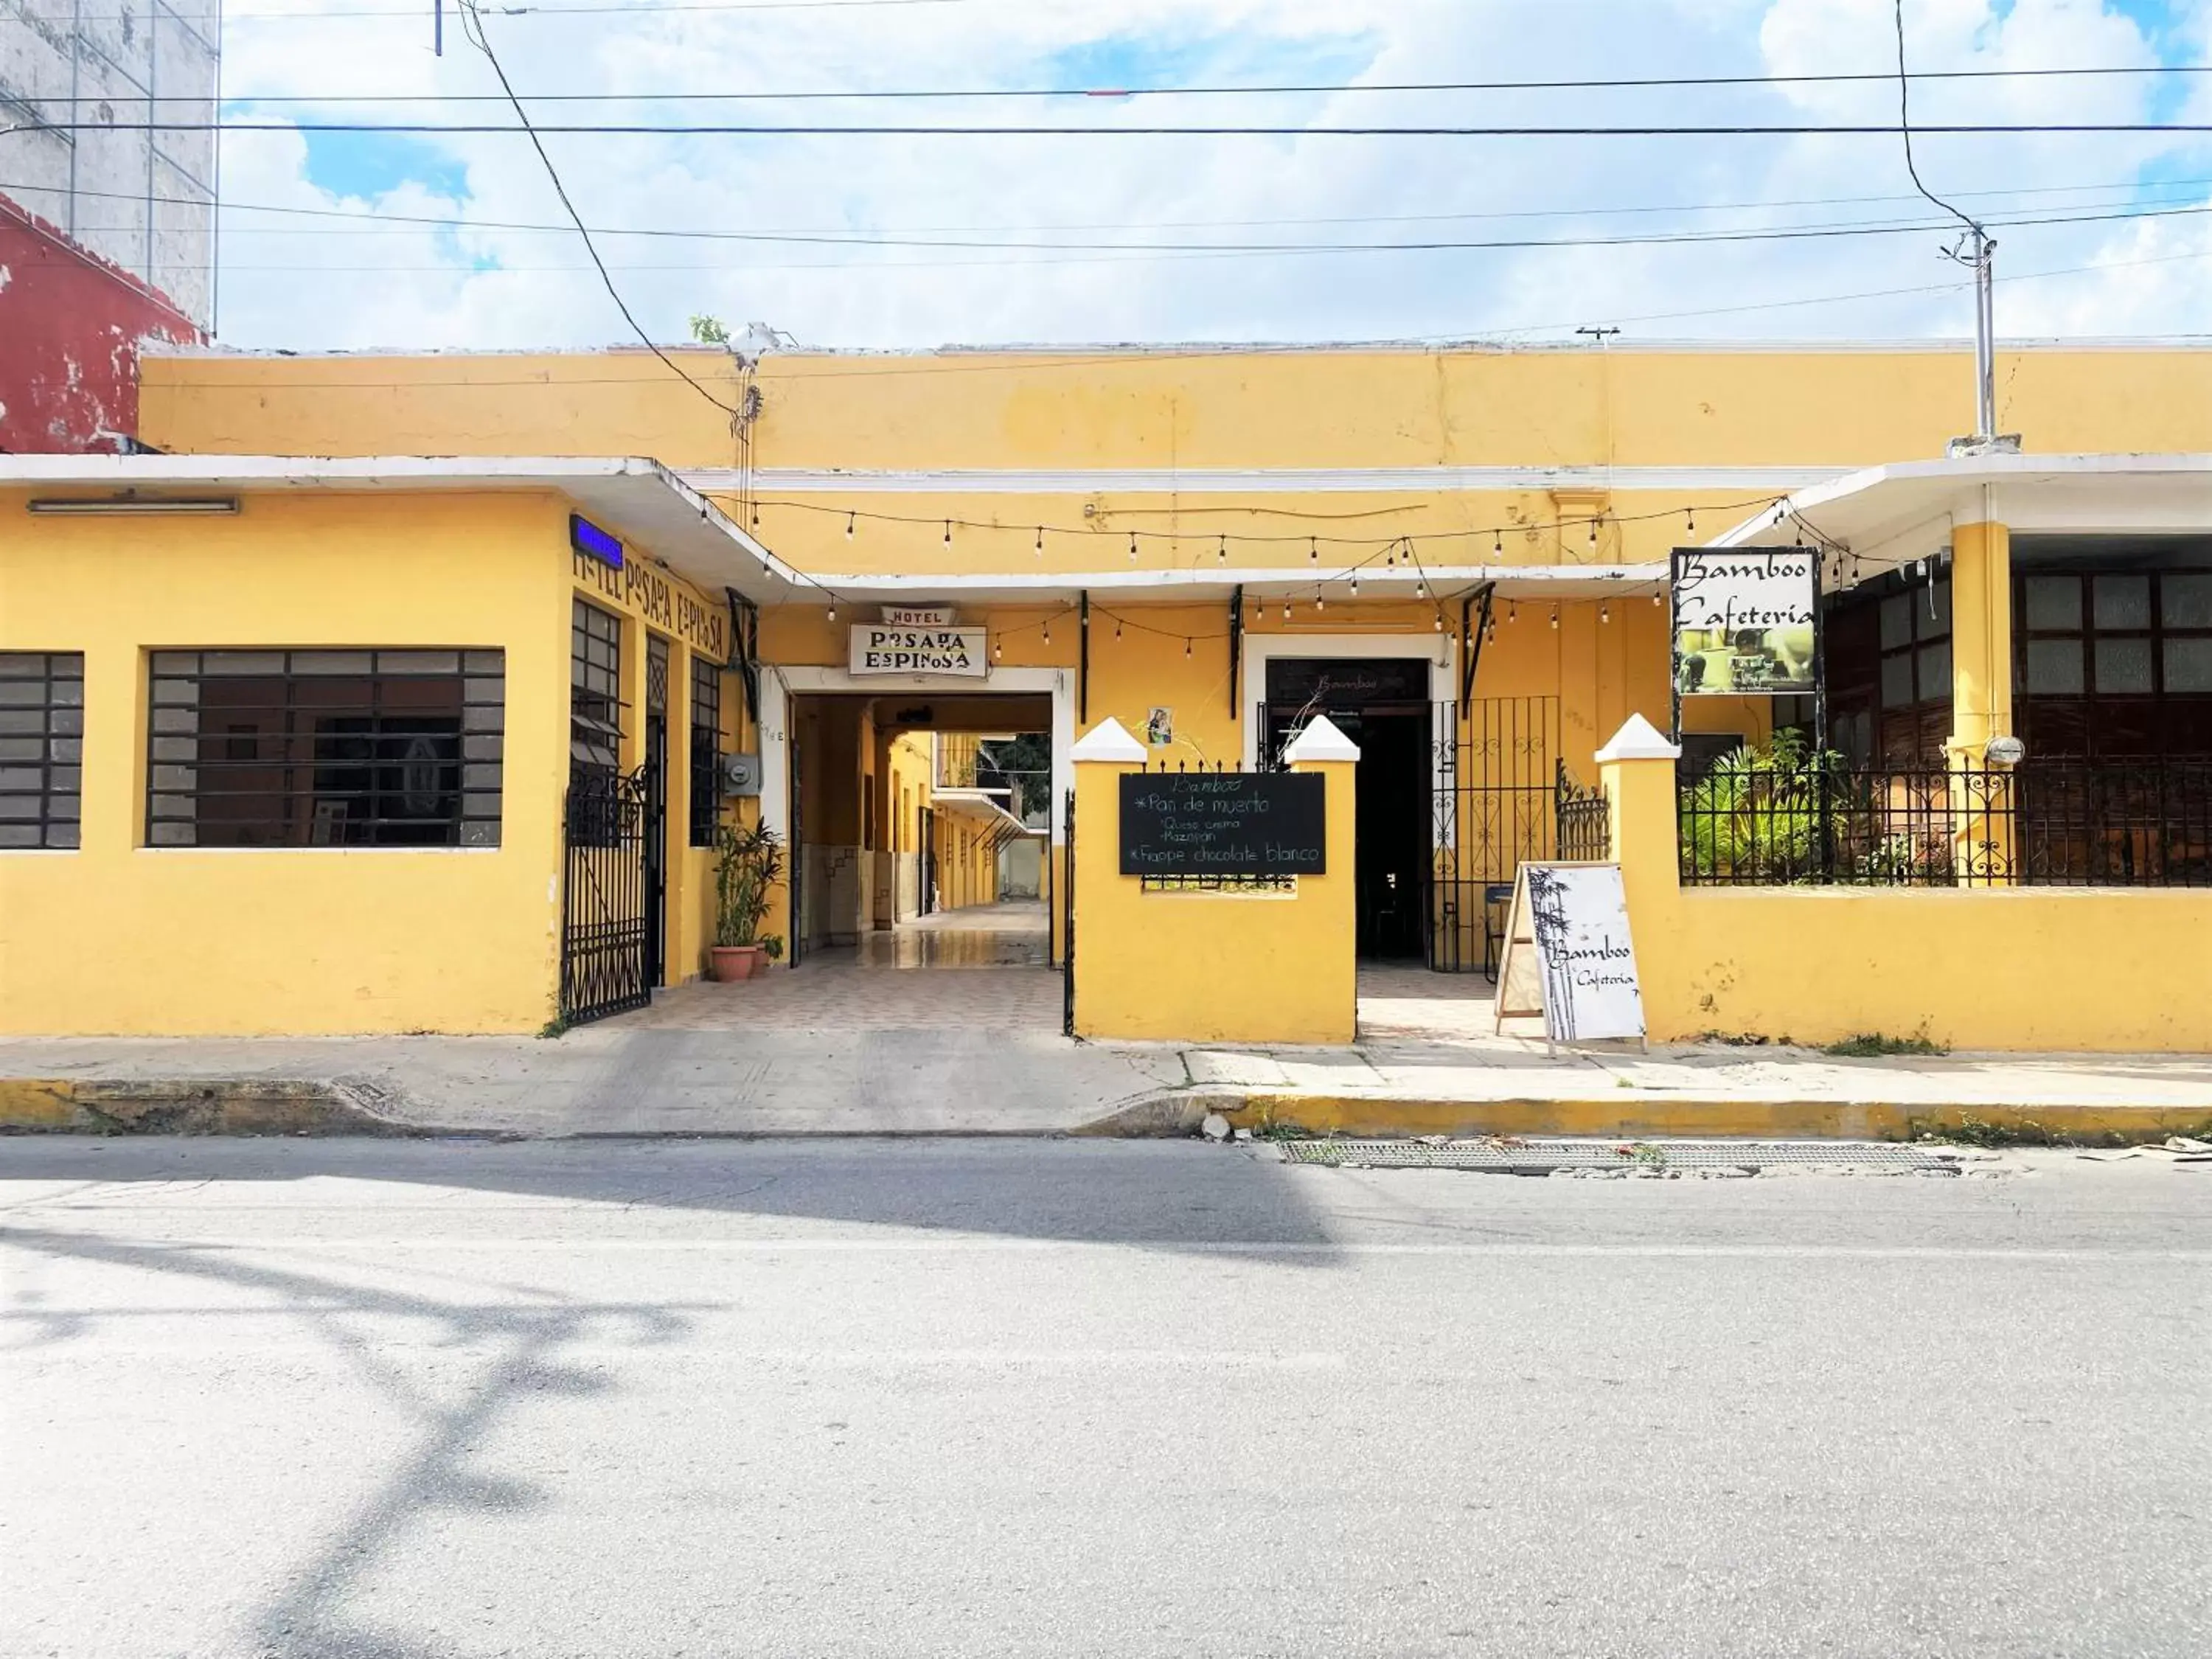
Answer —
(706, 749)
(41, 748)
(324, 747)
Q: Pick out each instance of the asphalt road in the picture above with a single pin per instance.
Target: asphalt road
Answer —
(609, 1399)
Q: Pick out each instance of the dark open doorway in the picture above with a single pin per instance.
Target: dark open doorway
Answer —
(1383, 705)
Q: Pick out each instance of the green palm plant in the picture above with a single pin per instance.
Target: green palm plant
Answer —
(748, 860)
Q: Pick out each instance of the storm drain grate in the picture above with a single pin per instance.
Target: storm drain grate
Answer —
(1516, 1153)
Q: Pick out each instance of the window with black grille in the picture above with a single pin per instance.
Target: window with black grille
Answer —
(706, 749)
(594, 697)
(361, 748)
(41, 747)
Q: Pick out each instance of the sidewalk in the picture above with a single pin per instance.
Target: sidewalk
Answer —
(625, 1079)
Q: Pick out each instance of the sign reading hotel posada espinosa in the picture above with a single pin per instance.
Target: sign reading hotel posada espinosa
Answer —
(891, 648)
(1224, 823)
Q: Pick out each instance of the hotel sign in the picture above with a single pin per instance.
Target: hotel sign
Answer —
(920, 640)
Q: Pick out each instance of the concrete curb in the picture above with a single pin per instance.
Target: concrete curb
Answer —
(1636, 1116)
(260, 1106)
(196, 1106)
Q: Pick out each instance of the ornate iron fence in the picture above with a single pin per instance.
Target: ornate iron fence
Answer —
(1584, 821)
(2060, 823)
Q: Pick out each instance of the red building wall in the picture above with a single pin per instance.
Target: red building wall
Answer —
(69, 328)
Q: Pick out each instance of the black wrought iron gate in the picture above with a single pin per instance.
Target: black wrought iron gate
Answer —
(606, 967)
(1495, 805)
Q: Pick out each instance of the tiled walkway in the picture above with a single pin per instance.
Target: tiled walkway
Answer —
(982, 968)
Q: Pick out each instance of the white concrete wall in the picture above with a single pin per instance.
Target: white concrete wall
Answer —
(1021, 869)
(143, 201)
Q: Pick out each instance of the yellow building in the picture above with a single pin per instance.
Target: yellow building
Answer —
(1461, 556)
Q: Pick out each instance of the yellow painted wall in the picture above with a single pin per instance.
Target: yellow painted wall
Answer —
(1351, 406)
(2020, 968)
(116, 938)
(1211, 967)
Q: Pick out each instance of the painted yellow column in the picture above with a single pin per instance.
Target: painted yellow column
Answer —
(1981, 703)
(1636, 771)
(1329, 903)
(1981, 636)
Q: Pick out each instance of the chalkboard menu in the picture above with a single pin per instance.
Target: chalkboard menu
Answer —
(1224, 823)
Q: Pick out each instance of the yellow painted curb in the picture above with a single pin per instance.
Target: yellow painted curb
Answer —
(37, 1104)
(1720, 1117)
(234, 1106)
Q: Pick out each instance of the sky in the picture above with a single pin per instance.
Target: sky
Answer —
(1101, 239)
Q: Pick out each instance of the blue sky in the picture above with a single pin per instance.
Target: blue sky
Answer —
(391, 283)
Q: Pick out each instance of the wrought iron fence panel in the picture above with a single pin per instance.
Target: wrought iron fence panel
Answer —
(603, 956)
(2053, 822)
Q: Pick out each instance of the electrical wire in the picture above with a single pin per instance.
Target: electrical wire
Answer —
(473, 26)
(816, 130)
(450, 222)
(1138, 252)
(1905, 125)
(1294, 89)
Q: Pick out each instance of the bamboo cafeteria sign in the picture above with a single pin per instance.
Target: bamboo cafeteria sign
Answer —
(919, 639)
(1744, 621)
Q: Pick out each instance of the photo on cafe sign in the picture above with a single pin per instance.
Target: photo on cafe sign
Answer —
(1744, 621)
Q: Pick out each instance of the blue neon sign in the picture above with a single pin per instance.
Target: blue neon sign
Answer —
(587, 538)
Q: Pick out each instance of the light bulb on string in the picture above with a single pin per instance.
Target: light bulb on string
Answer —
(1321, 600)
(1497, 543)
(1440, 621)
(1657, 599)
(1047, 631)
(1117, 628)
(1313, 550)
(833, 611)
(1186, 649)
(1286, 610)
(1355, 584)
(1040, 541)
(756, 515)
(1690, 521)
(948, 532)
(1512, 612)
(1555, 616)
(849, 526)
(1593, 533)
(997, 649)
(1421, 587)
(1223, 553)
(1604, 611)
(1133, 547)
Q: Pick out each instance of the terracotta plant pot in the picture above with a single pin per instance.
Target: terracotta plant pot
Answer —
(734, 961)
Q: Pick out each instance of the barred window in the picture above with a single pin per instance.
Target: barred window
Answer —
(41, 747)
(594, 696)
(706, 749)
(359, 748)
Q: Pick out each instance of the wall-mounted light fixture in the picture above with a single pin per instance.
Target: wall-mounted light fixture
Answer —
(130, 502)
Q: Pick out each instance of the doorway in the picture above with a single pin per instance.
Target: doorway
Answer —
(1382, 703)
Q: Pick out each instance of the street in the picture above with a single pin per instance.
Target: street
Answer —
(417, 1399)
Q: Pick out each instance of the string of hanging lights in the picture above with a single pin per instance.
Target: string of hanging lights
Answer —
(1590, 525)
(1390, 553)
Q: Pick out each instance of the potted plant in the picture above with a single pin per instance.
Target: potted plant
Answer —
(748, 859)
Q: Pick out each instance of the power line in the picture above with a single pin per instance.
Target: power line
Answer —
(1214, 90)
(450, 222)
(1904, 126)
(474, 25)
(1077, 253)
(809, 129)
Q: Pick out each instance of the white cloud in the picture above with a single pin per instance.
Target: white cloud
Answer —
(416, 286)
